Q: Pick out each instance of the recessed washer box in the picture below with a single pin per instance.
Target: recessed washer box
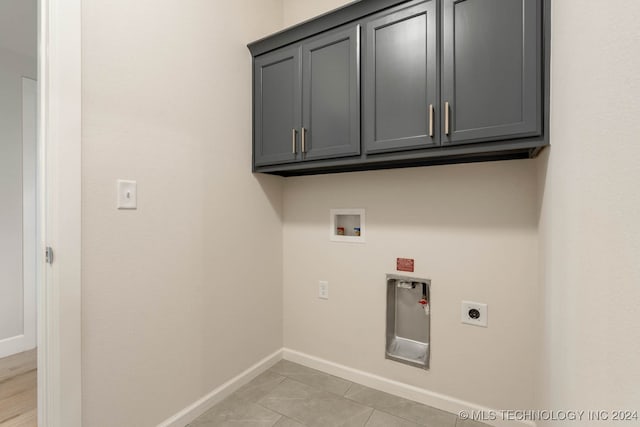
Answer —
(408, 320)
(346, 225)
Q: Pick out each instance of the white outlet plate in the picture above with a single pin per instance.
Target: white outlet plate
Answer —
(481, 320)
(323, 289)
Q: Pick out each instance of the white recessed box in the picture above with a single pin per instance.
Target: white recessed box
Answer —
(346, 225)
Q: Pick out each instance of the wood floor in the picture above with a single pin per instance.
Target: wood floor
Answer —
(18, 390)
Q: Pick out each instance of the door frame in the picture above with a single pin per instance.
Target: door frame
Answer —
(59, 213)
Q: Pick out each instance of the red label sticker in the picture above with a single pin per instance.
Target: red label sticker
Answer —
(404, 264)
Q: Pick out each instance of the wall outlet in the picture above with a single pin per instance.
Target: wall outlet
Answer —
(323, 289)
(474, 313)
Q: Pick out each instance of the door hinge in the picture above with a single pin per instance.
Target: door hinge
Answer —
(48, 255)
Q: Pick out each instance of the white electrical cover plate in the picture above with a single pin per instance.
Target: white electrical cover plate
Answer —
(127, 194)
(323, 289)
(474, 313)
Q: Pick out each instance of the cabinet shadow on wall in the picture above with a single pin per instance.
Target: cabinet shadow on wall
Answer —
(542, 165)
(272, 189)
(500, 195)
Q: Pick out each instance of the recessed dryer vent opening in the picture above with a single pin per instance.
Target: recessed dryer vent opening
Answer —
(408, 320)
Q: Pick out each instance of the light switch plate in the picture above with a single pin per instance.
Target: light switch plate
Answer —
(474, 313)
(323, 289)
(127, 194)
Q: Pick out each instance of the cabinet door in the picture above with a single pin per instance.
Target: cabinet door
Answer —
(277, 106)
(491, 74)
(400, 80)
(331, 95)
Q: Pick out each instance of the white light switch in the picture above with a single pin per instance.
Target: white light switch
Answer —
(323, 289)
(127, 194)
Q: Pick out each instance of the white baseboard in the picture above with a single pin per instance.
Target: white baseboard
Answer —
(426, 397)
(199, 407)
(14, 345)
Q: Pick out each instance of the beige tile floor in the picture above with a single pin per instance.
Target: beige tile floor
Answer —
(291, 395)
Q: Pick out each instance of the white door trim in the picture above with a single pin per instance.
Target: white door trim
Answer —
(59, 220)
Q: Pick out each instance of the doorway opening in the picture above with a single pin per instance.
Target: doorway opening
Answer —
(18, 211)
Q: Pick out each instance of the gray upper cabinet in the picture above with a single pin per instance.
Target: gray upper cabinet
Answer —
(331, 95)
(277, 106)
(443, 81)
(491, 70)
(400, 99)
(307, 100)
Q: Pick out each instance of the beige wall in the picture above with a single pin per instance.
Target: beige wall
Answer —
(186, 292)
(470, 228)
(296, 11)
(590, 227)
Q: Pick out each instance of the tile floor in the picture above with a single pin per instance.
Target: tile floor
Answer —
(291, 395)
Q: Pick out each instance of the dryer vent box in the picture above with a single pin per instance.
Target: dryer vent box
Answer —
(408, 320)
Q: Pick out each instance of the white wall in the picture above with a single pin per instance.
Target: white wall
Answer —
(186, 292)
(590, 222)
(17, 60)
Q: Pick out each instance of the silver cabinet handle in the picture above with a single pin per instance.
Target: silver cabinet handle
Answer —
(431, 120)
(302, 134)
(446, 118)
(293, 141)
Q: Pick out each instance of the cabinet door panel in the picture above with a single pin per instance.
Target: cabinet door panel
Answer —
(277, 106)
(491, 69)
(331, 95)
(400, 80)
